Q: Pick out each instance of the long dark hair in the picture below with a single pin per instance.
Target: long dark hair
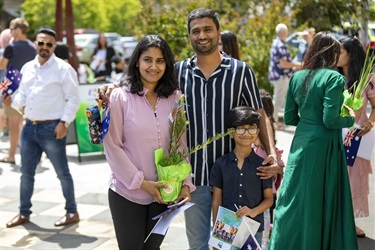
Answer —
(168, 82)
(98, 44)
(324, 52)
(268, 109)
(230, 44)
(357, 57)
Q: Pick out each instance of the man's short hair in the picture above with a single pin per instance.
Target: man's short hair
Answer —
(280, 28)
(203, 13)
(21, 24)
(47, 31)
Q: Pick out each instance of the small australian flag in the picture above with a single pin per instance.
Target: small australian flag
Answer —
(11, 81)
(105, 123)
(351, 145)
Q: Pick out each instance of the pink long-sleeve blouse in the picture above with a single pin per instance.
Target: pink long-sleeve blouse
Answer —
(135, 131)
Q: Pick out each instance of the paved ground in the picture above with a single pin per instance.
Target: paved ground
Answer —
(95, 231)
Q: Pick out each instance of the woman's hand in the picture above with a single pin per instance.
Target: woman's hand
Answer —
(366, 127)
(152, 187)
(355, 113)
(103, 93)
(185, 192)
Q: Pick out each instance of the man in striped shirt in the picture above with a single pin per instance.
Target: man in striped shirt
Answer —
(213, 84)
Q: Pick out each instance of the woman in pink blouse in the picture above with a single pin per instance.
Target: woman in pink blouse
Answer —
(139, 124)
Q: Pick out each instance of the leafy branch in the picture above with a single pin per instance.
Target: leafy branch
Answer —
(176, 155)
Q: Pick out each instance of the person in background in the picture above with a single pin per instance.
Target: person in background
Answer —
(280, 70)
(301, 44)
(314, 208)
(62, 51)
(5, 38)
(103, 53)
(118, 68)
(351, 61)
(139, 125)
(229, 44)
(234, 175)
(46, 80)
(17, 53)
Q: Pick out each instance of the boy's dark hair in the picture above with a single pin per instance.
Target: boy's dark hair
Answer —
(203, 13)
(243, 115)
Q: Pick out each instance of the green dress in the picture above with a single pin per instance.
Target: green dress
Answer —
(314, 208)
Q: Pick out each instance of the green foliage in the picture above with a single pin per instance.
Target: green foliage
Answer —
(255, 30)
(325, 14)
(109, 16)
(39, 13)
(178, 129)
(259, 32)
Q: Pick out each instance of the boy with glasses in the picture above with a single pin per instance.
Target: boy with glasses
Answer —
(234, 175)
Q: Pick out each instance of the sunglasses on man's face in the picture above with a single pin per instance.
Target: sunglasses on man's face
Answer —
(41, 44)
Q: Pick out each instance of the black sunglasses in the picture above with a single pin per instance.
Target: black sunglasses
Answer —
(41, 44)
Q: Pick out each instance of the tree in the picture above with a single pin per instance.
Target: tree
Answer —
(99, 14)
(254, 26)
(326, 14)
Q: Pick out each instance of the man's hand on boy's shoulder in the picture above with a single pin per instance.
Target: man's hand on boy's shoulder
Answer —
(269, 168)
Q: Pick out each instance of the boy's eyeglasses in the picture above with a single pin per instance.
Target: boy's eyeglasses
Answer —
(41, 44)
(241, 131)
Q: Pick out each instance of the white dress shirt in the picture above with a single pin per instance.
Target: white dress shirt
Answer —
(48, 91)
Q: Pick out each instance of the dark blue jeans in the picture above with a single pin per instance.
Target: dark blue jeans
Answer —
(36, 139)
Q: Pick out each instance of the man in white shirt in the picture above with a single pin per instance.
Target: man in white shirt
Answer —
(48, 93)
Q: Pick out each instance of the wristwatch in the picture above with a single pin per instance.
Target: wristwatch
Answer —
(66, 124)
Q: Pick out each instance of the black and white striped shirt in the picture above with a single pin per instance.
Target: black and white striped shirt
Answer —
(232, 84)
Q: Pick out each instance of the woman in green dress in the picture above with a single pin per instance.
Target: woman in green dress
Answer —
(314, 209)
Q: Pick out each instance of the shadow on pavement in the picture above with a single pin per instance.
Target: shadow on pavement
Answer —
(366, 243)
(51, 237)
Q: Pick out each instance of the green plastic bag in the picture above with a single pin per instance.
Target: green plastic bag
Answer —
(172, 175)
(354, 103)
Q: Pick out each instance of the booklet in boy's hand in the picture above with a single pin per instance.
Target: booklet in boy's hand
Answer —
(231, 232)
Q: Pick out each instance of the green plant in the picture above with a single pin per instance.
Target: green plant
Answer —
(354, 98)
(176, 155)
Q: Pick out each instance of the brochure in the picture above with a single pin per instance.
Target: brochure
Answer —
(166, 217)
(231, 232)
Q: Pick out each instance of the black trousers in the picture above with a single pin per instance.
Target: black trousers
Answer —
(133, 222)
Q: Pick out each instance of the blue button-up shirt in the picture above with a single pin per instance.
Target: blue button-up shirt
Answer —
(240, 186)
(232, 84)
